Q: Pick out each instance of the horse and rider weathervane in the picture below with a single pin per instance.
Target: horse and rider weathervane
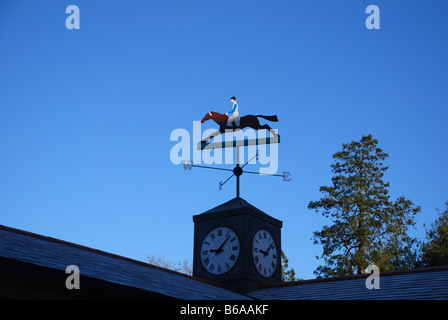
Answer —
(231, 122)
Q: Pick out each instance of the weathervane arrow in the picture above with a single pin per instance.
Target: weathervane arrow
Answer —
(237, 172)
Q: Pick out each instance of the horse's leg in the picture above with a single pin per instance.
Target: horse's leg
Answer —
(267, 127)
(217, 133)
(252, 122)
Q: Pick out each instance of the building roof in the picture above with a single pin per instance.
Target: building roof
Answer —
(55, 255)
(428, 283)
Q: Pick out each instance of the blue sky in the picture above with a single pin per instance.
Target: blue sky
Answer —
(86, 115)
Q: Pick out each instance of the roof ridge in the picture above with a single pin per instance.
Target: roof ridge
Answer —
(240, 202)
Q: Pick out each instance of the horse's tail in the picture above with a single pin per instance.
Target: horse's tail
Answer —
(269, 118)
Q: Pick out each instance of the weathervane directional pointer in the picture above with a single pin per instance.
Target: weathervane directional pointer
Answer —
(237, 172)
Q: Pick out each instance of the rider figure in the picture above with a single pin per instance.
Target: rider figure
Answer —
(233, 113)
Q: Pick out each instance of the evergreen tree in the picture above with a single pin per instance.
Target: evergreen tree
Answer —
(288, 274)
(435, 251)
(367, 227)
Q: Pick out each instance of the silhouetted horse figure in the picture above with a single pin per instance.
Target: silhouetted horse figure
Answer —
(244, 122)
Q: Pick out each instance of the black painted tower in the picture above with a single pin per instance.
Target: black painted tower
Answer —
(238, 246)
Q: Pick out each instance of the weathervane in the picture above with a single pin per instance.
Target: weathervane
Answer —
(230, 124)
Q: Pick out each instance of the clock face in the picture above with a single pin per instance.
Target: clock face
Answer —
(264, 253)
(220, 250)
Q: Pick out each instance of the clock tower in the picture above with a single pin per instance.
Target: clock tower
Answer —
(237, 246)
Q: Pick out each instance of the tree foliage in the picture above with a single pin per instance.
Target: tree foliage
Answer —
(367, 227)
(435, 251)
(160, 261)
(288, 274)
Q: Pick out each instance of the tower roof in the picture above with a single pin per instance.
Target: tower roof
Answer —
(236, 206)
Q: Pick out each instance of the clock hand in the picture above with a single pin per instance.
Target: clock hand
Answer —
(220, 247)
(265, 253)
